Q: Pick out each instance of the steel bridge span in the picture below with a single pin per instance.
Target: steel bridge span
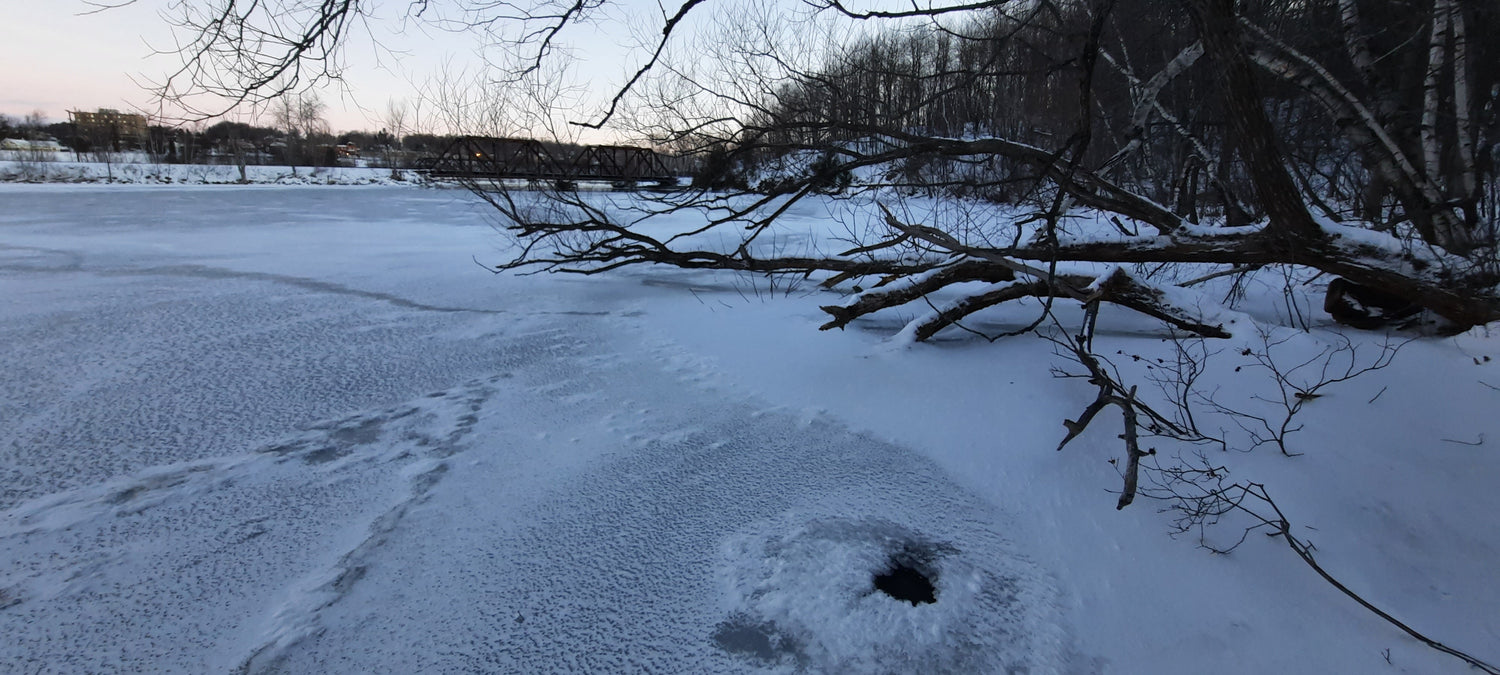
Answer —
(485, 158)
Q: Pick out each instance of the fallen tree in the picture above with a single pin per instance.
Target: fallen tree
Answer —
(1435, 259)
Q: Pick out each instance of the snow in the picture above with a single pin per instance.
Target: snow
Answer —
(137, 169)
(295, 430)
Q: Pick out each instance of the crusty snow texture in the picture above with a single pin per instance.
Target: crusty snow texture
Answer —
(572, 502)
(276, 429)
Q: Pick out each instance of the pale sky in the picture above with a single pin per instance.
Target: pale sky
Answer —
(58, 55)
(55, 57)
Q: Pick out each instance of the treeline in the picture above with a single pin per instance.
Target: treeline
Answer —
(225, 140)
(228, 142)
(33, 127)
(1122, 87)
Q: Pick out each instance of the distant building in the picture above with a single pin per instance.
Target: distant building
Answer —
(107, 123)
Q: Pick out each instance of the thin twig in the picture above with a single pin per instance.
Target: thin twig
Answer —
(1469, 443)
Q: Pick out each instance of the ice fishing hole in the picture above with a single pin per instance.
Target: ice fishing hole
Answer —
(904, 581)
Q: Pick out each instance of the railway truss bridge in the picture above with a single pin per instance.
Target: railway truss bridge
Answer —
(481, 159)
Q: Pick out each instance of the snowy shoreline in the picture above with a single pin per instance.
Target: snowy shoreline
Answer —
(49, 172)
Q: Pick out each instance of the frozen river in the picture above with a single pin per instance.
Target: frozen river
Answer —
(301, 430)
(304, 430)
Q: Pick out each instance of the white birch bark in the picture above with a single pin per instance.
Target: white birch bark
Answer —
(1354, 40)
(1287, 64)
(1431, 89)
(1145, 95)
(1461, 103)
(1336, 96)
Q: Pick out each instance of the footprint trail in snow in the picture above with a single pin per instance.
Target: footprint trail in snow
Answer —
(585, 510)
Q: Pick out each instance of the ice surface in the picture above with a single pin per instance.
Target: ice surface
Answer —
(284, 429)
(187, 494)
(607, 530)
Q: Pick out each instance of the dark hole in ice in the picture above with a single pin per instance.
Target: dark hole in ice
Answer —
(905, 582)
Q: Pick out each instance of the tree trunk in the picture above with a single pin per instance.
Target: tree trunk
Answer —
(1291, 226)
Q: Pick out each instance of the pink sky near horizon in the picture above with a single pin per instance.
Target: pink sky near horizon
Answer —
(58, 56)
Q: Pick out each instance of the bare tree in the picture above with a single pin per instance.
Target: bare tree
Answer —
(34, 121)
(395, 122)
(301, 118)
(239, 152)
(1436, 264)
(310, 121)
(284, 112)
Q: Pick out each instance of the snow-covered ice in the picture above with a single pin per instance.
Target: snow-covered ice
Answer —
(268, 429)
(136, 168)
(297, 429)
